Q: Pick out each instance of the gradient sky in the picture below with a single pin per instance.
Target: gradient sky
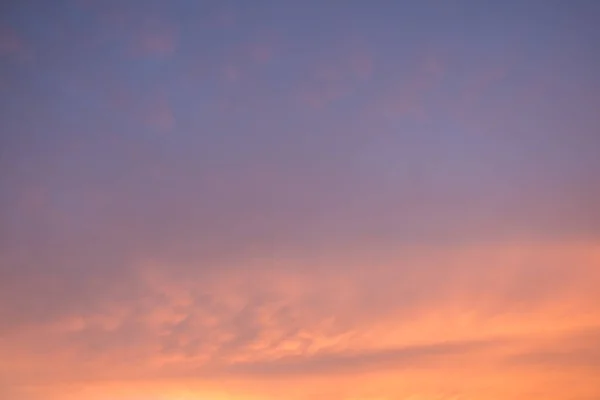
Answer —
(299, 200)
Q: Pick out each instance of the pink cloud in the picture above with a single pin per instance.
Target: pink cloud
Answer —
(34, 200)
(262, 48)
(115, 21)
(231, 73)
(13, 46)
(337, 74)
(362, 65)
(159, 115)
(433, 67)
(336, 79)
(155, 37)
(407, 96)
(245, 59)
(405, 105)
(10, 43)
(360, 59)
(482, 82)
(321, 96)
(120, 97)
(327, 86)
(225, 18)
(467, 107)
(261, 53)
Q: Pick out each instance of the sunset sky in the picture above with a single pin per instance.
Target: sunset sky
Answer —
(299, 200)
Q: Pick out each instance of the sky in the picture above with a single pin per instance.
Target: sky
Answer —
(299, 200)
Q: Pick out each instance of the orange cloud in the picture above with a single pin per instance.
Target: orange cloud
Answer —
(508, 306)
